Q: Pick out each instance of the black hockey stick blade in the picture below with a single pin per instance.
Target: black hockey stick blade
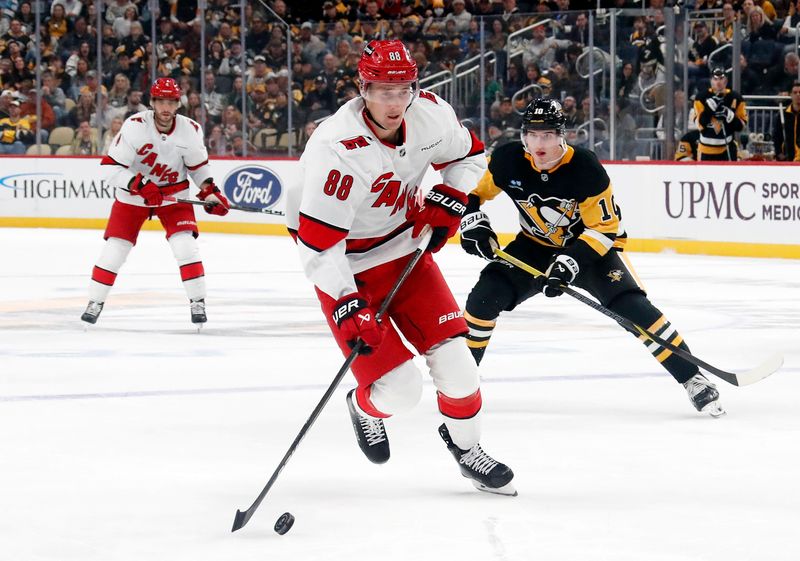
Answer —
(751, 376)
(242, 517)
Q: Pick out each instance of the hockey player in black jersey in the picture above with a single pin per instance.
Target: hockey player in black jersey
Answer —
(721, 115)
(571, 228)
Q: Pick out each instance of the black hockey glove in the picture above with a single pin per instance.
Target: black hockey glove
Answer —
(561, 272)
(477, 236)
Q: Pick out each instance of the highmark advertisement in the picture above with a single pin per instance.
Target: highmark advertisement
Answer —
(732, 209)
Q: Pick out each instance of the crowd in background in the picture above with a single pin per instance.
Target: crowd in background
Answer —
(327, 39)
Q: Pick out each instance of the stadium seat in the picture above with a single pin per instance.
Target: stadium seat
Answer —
(265, 139)
(61, 136)
(65, 150)
(39, 149)
(69, 104)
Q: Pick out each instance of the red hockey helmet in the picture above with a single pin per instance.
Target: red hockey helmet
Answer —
(165, 88)
(386, 61)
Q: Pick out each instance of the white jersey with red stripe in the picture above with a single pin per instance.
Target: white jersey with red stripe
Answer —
(166, 158)
(347, 206)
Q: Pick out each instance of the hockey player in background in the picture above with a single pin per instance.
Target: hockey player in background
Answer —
(356, 213)
(150, 158)
(571, 229)
(721, 114)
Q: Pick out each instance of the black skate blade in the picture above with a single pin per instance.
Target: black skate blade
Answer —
(507, 490)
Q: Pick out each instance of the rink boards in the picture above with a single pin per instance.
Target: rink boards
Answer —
(739, 210)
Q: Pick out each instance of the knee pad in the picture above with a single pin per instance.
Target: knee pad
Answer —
(635, 306)
(397, 391)
(184, 248)
(453, 369)
(492, 294)
(114, 254)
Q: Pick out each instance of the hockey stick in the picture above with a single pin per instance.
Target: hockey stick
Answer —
(233, 206)
(741, 379)
(243, 516)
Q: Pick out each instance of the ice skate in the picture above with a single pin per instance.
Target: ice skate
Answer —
(370, 433)
(92, 312)
(486, 473)
(198, 309)
(704, 395)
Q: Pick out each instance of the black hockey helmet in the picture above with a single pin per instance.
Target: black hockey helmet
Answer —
(544, 114)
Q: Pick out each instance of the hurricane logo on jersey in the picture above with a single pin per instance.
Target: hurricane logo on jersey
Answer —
(253, 186)
(551, 218)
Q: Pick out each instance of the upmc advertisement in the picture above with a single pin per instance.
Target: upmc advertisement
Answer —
(743, 207)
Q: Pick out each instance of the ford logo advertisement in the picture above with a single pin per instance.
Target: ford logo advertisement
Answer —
(253, 186)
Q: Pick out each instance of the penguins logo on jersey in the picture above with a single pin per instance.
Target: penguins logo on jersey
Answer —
(551, 218)
(615, 275)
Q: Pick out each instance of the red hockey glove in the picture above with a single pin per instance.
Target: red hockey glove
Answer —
(217, 202)
(444, 207)
(356, 320)
(147, 190)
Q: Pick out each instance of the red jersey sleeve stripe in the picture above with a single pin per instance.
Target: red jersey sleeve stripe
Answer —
(198, 166)
(109, 161)
(477, 147)
(318, 235)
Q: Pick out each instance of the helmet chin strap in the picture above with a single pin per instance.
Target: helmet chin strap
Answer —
(371, 118)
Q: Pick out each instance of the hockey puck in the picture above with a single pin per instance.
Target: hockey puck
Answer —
(284, 523)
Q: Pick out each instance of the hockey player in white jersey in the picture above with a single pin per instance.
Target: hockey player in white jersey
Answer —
(151, 157)
(355, 212)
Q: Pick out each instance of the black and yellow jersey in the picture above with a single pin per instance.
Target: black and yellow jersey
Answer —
(686, 151)
(715, 133)
(570, 206)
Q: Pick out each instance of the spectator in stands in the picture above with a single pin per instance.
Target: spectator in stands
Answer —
(116, 9)
(85, 143)
(579, 33)
(510, 13)
(507, 117)
(217, 143)
(542, 49)
(785, 130)
(20, 70)
(704, 44)
(515, 80)
(134, 104)
(640, 33)
(258, 36)
(213, 101)
(768, 9)
(313, 47)
(788, 30)
(108, 136)
(16, 132)
(73, 39)
(54, 96)
(781, 78)
(724, 29)
(321, 101)
(72, 8)
(122, 25)
(750, 80)
(460, 15)
(276, 55)
(231, 64)
(759, 26)
(6, 97)
(57, 24)
(626, 81)
(135, 44)
(486, 8)
(231, 120)
(570, 109)
(118, 94)
(24, 14)
(124, 66)
(194, 107)
(533, 75)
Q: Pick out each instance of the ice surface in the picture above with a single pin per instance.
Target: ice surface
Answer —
(139, 439)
